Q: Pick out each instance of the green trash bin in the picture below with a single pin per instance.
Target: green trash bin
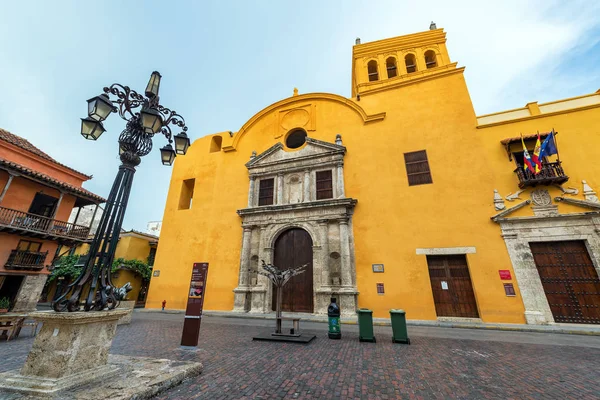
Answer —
(399, 332)
(365, 325)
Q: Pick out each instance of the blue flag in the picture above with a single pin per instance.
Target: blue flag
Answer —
(548, 148)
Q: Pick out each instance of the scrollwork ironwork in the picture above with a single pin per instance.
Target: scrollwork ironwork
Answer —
(93, 288)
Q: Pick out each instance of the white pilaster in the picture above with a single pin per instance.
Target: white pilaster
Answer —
(280, 189)
(345, 253)
(341, 192)
(306, 186)
(325, 275)
(251, 191)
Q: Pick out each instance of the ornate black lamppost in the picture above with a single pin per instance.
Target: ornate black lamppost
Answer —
(145, 118)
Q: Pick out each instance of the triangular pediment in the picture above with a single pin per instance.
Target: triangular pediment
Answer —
(314, 149)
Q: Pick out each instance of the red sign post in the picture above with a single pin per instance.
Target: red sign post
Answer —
(193, 312)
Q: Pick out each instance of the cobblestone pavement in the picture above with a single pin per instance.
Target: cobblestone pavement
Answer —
(441, 363)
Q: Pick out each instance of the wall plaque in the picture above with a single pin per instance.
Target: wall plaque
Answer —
(193, 312)
(377, 267)
(505, 274)
(156, 273)
(509, 289)
(444, 285)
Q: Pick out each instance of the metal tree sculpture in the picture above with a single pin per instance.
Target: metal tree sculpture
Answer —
(145, 118)
(279, 278)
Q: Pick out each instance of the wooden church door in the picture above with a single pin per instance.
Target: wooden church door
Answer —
(293, 248)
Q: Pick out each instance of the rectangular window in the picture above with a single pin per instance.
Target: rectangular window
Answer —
(324, 185)
(187, 194)
(265, 191)
(380, 289)
(417, 168)
(26, 245)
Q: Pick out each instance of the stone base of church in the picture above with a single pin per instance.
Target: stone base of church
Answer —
(346, 298)
(257, 300)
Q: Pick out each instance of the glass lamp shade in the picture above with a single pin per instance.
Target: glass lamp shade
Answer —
(151, 120)
(91, 129)
(153, 85)
(167, 154)
(182, 142)
(99, 107)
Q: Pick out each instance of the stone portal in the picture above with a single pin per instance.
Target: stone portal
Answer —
(295, 191)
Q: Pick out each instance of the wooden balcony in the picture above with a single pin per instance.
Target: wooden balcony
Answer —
(551, 173)
(26, 260)
(26, 224)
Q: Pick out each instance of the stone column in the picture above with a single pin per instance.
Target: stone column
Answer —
(345, 253)
(251, 191)
(306, 197)
(280, 189)
(325, 273)
(340, 181)
(261, 290)
(5, 189)
(245, 257)
(241, 297)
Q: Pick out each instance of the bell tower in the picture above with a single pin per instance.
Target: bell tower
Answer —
(389, 63)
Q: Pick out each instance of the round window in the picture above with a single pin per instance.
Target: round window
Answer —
(295, 139)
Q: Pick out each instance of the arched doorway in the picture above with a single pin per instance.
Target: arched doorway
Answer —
(293, 248)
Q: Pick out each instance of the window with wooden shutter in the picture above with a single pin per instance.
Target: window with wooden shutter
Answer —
(417, 168)
(324, 185)
(265, 192)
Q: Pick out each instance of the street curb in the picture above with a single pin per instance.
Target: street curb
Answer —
(587, 331)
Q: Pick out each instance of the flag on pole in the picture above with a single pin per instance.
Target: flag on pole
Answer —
(537, 160)
(527, 163)
(548, 148)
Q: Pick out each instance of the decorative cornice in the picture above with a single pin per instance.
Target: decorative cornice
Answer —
(580, 203)
(331, 149)
(303, 98)
(419, 39)
(329, 203)
(543, 115)
(551, 217)
(496, 217)
(363, 88)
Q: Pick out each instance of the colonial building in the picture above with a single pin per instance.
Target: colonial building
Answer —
(37, 194)
(397, 197)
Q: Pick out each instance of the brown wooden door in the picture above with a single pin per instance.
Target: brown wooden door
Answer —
(451, 286)
(570, 281)
(293, 249)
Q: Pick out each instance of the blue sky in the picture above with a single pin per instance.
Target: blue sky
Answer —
(224, 61)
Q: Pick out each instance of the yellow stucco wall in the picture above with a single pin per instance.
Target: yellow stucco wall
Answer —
(391, 220)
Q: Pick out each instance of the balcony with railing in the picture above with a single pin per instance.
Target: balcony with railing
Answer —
(37, 226)
(26, 260)
(551, 173)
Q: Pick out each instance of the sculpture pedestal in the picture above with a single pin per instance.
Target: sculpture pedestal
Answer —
(71, 350)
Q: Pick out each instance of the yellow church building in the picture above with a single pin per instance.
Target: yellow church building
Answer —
(397, 197)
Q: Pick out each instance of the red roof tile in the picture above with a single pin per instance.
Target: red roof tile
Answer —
(75, 190)
(26, 145)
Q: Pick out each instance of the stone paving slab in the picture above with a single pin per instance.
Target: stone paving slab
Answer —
(439, 363)
(571, 329)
